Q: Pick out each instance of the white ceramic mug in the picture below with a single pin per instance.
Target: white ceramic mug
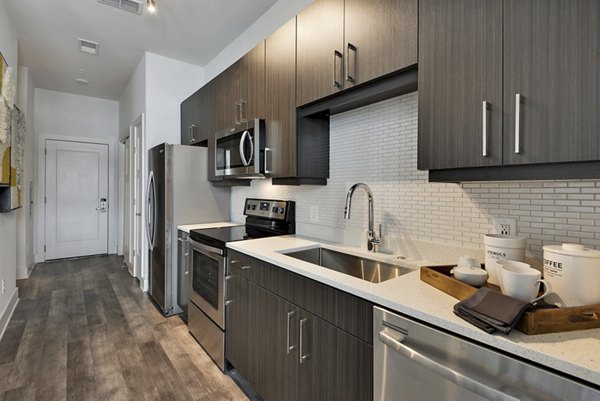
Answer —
(522, 282)
(499, 247)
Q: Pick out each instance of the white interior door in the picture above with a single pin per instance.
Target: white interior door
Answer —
(76, 199)
(128, 207)
(138, 197)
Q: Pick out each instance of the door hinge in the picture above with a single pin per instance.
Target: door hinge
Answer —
(44, 248)
(45, 151)
(44, 199)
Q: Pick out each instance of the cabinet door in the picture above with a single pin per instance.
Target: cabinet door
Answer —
(552, 60)
(320, 50)
(335, 365)
(252, 84)
(240, 318)
(281, 100)
(380, 36)
(206, 117)
(227, 110)
(274, 346)
(190, 109)
(460, 67)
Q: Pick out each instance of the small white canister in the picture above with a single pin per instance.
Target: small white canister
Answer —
(498, 247)
(573, 272)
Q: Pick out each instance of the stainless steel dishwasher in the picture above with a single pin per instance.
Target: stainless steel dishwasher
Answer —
(415, 362)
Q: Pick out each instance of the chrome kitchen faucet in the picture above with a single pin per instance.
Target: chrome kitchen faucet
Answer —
(372, 240)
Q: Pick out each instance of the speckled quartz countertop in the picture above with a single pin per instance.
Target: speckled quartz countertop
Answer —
(188, 227)
(575, 353)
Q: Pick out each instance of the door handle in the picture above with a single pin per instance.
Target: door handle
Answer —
(267, 152)
(289, 318)
(245, 136)
(350, 47)
(243, 111)
(448, 373)
(518, 102)
(486, 107)
(336, 54)
(301, 341)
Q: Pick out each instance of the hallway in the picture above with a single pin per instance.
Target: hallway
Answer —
(83, 330)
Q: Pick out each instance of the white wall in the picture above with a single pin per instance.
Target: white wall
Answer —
(280, 13)
(377, 144)
(25, 102)
(8, 221)
(133, 100)
(60, 115)
(168, 83)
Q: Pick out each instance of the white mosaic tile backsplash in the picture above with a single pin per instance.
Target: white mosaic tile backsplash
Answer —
(377, 145)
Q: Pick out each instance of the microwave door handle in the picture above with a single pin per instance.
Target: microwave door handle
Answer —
(245, 136)
(449, 374)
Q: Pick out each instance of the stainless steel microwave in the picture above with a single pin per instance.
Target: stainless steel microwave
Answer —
(241, 153)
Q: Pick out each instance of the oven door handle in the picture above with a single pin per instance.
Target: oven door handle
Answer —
(206, 249)
(245, 136)
(449, 374)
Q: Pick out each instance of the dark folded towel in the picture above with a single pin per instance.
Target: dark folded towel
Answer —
(490, 310)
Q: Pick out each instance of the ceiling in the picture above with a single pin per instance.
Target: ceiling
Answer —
(193, 31)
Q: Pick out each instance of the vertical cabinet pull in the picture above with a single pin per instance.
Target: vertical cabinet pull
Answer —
(192, 133)
(336, 55)
(238, 113)
(518, 101)
(486, 107)
(288, 344)
(301, 341)
(350, 47)
(243, 111)
(267, 168)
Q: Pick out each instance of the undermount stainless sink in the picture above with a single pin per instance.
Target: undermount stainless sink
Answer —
(365, 269)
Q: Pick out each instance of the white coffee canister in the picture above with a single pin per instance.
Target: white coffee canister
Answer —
(498, 247)
(573, 272)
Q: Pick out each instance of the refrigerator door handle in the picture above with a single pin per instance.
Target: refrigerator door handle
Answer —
(150, 210)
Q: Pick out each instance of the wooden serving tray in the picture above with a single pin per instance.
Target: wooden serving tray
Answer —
(541, 321)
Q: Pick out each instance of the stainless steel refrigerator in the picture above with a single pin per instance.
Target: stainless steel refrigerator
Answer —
(177, 193)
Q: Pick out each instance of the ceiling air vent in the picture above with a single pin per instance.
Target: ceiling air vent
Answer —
(89, 47)
(134, 6)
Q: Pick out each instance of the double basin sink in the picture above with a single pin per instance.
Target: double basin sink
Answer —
(366, 269)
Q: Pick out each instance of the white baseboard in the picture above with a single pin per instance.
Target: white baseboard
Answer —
(145, 285)
(22, 273)
(8, 311)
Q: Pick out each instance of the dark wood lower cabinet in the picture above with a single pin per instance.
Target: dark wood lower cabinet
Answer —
(336, 366)
(286, 352)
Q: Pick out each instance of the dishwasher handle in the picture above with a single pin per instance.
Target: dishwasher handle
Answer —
(456, 377)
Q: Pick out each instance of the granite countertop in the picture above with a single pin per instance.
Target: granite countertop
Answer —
(188, 227)
(574, 353)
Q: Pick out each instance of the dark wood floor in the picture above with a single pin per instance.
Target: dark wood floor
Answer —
(83, 330)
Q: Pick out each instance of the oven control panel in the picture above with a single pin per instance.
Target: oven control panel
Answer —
(270, 209)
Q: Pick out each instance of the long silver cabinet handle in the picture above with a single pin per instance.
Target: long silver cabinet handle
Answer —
(301, 341)
(336, 54)
(289, 318)
(349, 47)
(518, 101)
(450, 374)
(486, 107)
(246, 267)
(267, 151)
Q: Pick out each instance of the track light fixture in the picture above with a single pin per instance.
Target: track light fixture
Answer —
(151, 4)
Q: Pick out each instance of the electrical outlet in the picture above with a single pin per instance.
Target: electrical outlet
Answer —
(3, 285)
(314, 214)
(505, 226)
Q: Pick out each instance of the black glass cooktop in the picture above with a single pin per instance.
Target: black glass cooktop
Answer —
(217, 237)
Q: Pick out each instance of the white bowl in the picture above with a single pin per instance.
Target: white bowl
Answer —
(471, 275)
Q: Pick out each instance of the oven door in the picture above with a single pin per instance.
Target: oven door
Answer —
(207, 276)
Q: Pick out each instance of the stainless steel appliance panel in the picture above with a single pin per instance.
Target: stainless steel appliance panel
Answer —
(415, 362)
(208, 334)
(178, 193)
(207, 281)
(241, 153)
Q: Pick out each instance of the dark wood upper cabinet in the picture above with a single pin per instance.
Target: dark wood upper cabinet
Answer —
(460, 68)
(252, 84)
(380, 38)
(552, 60)
(536, 64)
(345, 43)
(191, 133)
(320, 50)
(281, 100)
